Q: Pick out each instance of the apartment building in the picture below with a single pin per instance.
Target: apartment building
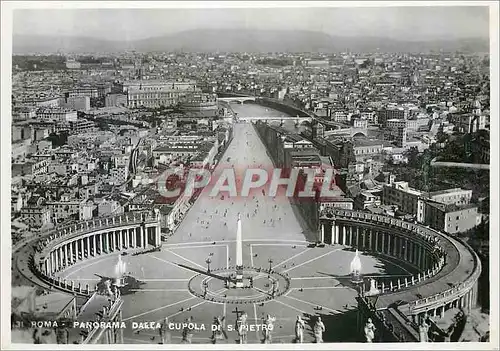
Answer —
(67, 207)
(57, 114)
(451, 218)
(403, 196)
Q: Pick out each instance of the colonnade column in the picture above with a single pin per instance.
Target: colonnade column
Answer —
(55, 267)
(72, 259)
(141, 236)
(395, 245)
(120, 241)
(111, 245)
(402, 247)
(344, 236)
(52, 264)
(388, 251)
(411, 246)
(370, 239)
(418, 256)
(322, 233)
(48, 266)
(424, 255)
(363, 238)
(61, 258)
(94, 246)
(66, 255)
(415, 253)
(376, 240)
(134, 237)
(350, 235)
(87, 242)
(58, 258)
(158, 235)
(405, 249)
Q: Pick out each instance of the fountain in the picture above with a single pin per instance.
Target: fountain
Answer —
(356, 269)
(120, 269)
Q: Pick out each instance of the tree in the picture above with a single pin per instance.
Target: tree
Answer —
(390, 161)
(413, 157)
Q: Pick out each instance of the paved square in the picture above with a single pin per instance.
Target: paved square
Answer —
(308, 281)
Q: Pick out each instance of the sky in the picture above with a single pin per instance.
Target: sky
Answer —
(407, 23)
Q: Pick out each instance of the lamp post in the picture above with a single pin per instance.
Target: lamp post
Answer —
(270, 264)
(205, 287)
(208, 261)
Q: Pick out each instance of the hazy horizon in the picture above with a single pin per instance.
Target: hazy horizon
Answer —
(399, 23)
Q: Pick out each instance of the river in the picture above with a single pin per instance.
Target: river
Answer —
(250, 110)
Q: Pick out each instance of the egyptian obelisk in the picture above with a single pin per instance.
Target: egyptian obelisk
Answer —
(239, 255)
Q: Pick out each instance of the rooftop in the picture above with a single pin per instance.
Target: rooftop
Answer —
(360, 142)
(450, 207)
(447, 191)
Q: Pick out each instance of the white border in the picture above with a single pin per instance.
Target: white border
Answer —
(6, 64)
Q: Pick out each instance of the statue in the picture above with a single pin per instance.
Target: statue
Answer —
(269, 323)
(423, 329)
(62, 335)
(187, 333)
(319, 329)
(370, 330)
(220, 332)
(117, 293)
(163, 332)
(44, 336)
(373, 288)
(242, 328)
(299, 330)
(107, 288)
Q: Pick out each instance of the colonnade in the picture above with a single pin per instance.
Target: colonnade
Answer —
(98, 243)
(427, 250)
(465, 299)
(378, 241)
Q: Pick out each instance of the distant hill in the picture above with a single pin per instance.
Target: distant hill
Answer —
(243, 40)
